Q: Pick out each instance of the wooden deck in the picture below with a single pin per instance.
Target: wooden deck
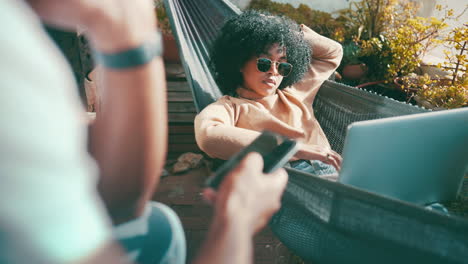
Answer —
(182, 192)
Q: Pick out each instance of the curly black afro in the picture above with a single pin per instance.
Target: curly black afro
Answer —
(250, 34)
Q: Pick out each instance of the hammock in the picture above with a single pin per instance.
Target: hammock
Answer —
(323, 221)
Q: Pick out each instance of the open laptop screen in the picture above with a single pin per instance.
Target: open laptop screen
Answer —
(418, 158)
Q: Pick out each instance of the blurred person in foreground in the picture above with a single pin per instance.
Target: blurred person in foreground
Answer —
(67, 196)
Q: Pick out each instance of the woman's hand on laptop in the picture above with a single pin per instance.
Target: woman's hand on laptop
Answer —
(315, 152)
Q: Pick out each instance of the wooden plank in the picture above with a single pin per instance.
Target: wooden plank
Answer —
(183, 189)
(181, 139)
(181, 129)
(180, 123)
(179, 96)
(176, 78)
(173, 155)
(183, 194)
(178, 86)
(184, 148)
(195, 239)
(203, 210)
(181, 107)
(195, 223)
(174, 71)
(266, 235)
(274, 252)
(181, 117)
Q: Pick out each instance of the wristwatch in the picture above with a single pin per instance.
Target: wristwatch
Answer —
(133, 57)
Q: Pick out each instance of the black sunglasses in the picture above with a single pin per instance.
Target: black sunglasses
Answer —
(264, 65)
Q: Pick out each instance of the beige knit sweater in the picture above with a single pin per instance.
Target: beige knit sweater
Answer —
(229, 124)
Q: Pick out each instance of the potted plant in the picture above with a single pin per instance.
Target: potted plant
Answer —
(392, 40)
(353, 68)
(367, 20)
(171, 53)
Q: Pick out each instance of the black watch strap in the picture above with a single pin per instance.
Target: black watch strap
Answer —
(132, 57)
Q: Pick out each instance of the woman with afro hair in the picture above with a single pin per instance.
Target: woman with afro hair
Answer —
(269, 70)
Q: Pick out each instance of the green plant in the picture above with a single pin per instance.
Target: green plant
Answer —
(445, 96)
(321, 22)
(376, 54)
(456, 57)
(391, 37)
(450, 92)
(351, 53)
(409, 39)
(163, 20)
(366, 18)
(366, 22)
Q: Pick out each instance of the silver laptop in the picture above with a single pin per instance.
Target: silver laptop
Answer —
(420, 158)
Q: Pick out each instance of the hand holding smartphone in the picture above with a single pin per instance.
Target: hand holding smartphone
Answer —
(275, 149)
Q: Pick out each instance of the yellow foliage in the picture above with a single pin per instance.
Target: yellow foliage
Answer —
(447, 93)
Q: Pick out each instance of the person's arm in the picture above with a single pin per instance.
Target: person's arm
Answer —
(129, 137)
(228, 241)
(326, 57)
(216, 133)
(50, 211)
(245, 202)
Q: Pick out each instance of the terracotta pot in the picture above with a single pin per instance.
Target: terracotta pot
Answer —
(424, 103)
(171, 51)
(398, 81)
(354, 71)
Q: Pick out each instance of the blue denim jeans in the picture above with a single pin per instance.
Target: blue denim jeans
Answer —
(155, 237)
(329, 172)
(316, 167)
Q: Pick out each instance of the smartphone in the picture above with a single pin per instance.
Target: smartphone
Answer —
(275, 149)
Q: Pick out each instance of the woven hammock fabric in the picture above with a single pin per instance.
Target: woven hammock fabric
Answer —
(328, 222)
(323, 221)
(337, 106)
